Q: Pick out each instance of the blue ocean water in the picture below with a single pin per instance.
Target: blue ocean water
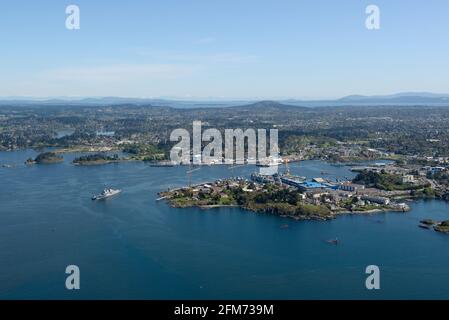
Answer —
(133, 247)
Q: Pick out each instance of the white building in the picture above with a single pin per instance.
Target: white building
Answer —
(408, 178)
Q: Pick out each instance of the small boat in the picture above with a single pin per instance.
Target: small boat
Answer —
(424, 226)
(333, 241)
(106, 193)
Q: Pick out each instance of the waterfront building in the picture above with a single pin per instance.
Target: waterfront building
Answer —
(351, 187)
(305, 186)
(408, 178)
(378, 200)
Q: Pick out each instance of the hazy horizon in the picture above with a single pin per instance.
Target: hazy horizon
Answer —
(218, 99)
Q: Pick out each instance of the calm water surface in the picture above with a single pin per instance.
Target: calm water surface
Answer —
(135, 247)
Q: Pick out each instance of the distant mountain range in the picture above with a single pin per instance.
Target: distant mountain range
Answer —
(406, 98)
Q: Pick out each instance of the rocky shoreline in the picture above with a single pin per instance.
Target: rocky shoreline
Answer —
(241, 193)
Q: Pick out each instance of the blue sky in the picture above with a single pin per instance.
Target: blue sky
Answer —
(229, 49)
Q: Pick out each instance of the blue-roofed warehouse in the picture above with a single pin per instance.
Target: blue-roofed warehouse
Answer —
(307, 185)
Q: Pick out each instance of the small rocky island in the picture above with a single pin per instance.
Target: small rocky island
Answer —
(45, 158)
(442, 226)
